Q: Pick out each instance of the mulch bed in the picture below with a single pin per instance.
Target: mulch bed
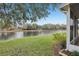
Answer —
(56, 48)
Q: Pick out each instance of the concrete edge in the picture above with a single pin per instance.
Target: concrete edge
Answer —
(61, 53)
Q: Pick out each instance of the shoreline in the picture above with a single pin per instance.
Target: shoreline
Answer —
(24, 30)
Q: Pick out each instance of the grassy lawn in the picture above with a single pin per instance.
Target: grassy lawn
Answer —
(29, 46)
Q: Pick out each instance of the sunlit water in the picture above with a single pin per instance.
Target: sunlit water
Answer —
(12, 35)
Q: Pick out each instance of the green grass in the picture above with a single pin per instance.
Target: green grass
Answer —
(29, 46)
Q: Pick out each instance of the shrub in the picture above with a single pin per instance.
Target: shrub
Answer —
(60, 36)
(60, 39)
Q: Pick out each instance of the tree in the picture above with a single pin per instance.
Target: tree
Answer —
(48, 27)
(14, 13)
(34, 26)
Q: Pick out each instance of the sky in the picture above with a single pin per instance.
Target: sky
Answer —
(56, 17)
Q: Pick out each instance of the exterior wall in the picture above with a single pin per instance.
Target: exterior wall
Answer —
(70, 46)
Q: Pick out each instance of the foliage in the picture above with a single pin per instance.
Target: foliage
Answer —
(53, 26)
(35, 26)
(5, 24)
(61, 39)
(16, 12)
(60, 36)
(48, 26)
(30, 26)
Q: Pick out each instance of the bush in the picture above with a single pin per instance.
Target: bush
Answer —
(63, 44)
(60, 39)
(60, 36)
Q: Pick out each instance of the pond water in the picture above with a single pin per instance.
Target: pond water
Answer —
(13, 35)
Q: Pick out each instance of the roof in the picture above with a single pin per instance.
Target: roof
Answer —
(63, 6)
(74, 9)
